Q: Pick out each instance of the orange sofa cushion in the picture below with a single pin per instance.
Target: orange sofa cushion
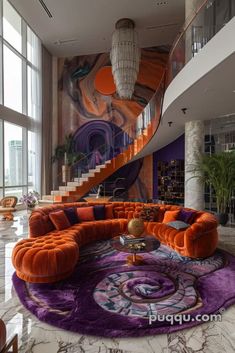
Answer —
(109, 212)
(170, 216)
(86, 213)
(45, 259)
(59, 220)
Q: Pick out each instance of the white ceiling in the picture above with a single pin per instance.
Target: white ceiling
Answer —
(91, 22)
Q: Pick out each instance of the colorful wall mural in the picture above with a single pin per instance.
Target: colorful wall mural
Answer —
(85, 107)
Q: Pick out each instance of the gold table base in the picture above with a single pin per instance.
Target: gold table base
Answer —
(134, 260)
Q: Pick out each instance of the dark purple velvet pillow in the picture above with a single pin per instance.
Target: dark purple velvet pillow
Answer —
(186, 216)
(71, 215)
(99, 212)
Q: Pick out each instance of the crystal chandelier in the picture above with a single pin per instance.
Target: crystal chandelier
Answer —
(125, 57)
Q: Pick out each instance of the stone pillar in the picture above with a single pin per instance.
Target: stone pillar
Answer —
(194, 147)
(191, 6)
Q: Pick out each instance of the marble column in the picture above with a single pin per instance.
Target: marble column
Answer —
(194, 147)
(191, 6)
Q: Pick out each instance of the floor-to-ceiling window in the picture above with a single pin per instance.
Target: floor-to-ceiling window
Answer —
(20, 104)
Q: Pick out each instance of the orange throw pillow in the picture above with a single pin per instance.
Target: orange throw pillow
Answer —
(86, 213)
(109, 211)
(59, 220)
(170, 216)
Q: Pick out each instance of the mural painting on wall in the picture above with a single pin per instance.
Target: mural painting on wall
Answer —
(100, 117)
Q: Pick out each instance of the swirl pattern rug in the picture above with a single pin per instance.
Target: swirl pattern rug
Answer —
(106, 297)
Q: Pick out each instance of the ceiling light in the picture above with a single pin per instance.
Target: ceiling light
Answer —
(159, 3)
(60, 42)
(44, 6)
(162, 26)
(125, 57)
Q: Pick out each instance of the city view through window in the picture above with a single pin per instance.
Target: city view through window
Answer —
(20, 66)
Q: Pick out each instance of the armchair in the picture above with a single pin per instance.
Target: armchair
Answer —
(7, 206)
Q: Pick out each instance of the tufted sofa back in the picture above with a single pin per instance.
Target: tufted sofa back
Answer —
(40, 224)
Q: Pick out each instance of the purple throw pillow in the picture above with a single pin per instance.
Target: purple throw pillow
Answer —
(71, 215)
(99, 212)
(186, 216)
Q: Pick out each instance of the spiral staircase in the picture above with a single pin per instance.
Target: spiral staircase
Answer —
(76, 189)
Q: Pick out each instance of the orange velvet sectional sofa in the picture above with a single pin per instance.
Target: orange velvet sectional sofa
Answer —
(49, 255)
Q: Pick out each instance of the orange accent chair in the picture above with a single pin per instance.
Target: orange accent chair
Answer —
(50, 255)
(7, 206)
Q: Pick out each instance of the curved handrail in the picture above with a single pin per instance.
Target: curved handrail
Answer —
(186, 25)
(181, 57)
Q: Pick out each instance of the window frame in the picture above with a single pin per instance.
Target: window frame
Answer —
(22, 119)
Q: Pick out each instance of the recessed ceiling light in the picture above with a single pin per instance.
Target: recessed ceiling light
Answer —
(233, 91)
(65, 41)
(159, 3)
(44, 6)
(162, 26)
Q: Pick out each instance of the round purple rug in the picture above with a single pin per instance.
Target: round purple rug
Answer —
(105, 297)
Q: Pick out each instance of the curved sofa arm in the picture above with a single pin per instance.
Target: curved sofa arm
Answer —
(204, 224)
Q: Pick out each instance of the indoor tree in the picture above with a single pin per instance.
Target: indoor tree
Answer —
(218, 171)
(66, 154)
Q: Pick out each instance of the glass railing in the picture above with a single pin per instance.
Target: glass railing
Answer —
(198, 30)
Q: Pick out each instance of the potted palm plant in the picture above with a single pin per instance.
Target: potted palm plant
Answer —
(218, 171)
(66, 154)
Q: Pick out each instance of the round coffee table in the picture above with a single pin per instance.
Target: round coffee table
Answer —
(151, 244)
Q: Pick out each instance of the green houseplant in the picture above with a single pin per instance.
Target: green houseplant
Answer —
(66, 154)
(218, 170)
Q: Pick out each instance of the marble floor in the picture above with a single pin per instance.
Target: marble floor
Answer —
(35, 336)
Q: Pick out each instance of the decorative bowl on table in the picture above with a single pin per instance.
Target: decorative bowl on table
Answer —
(137, 246)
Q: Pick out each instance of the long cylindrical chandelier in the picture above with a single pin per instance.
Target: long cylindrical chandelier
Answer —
(125, 57)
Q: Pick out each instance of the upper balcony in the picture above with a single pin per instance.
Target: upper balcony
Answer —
(201, 72)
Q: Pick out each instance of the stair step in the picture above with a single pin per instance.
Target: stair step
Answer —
(59, 193)
(92, 170)
(46, 202)
(108, 162)
(101, 166)
(47, 197)
(88, 175)
(67, 188)
(74, 183)
(82, 179)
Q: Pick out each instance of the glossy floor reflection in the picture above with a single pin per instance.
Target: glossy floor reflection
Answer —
(37, 337)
